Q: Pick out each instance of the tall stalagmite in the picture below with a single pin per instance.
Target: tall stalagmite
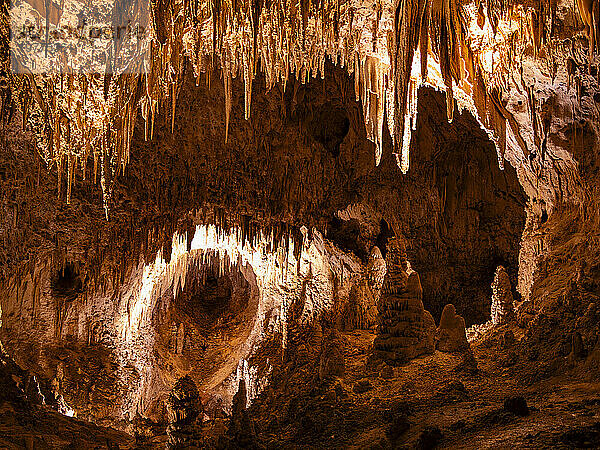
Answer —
(184, 408)
(406, 330)
(502, 298)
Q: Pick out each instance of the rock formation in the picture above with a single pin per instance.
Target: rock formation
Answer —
(376, 271)
(451, 334)
(502, 298)
(241, 429)
(516, 405)
(577, 348)
(360, 312)
(26, 420)
(502, 309)
(114, 320)
(184, 410)
(331, 361)
(405, 329)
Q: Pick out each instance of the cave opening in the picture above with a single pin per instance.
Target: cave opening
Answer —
(214, 295)
(474, 215)
(205, 327)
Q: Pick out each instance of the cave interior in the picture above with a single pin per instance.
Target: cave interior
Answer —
(333, 224)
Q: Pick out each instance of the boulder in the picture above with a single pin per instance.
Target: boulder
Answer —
(517, 406)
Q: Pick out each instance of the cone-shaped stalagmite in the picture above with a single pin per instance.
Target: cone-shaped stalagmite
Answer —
(376, 271)
(405, 330)
(241, 429)
(451, 335)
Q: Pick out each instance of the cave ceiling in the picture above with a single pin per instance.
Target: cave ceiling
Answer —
(496, 59)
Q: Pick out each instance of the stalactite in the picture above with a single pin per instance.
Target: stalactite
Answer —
(589, 11)
(406, 41)
(228, 94)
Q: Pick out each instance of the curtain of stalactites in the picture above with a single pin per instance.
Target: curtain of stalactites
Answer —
(78, 118)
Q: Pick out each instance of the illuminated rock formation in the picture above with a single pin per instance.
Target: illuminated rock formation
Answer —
(451, 336)
(469, 50)
(502, 309)
(502, 298)
(405, 329)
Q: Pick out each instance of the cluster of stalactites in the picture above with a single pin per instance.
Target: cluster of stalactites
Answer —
(281, 39)
(507, 32)
(78, 117)
(425, 30)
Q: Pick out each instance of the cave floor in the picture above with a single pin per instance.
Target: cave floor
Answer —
(430, 391)
(433, 391)
(473, 416)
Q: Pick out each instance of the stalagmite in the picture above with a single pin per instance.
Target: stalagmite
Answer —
(241, 429)
(451, 335)
(406, 330)
(376, 272)
(502, 298)
(184, 409)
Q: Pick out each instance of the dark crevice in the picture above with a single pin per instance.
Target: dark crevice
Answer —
(67, 284)
(347, 236)
(329, 127)
(384, 235)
